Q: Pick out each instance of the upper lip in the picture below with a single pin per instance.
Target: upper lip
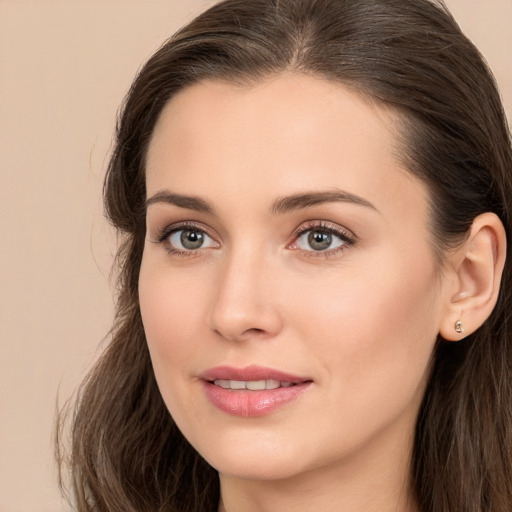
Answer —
(250, 373)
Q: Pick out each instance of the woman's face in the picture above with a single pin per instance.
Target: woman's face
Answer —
(288, 287)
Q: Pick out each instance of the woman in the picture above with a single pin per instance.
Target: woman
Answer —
(315, 199)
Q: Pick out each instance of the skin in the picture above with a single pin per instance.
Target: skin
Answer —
(360, 320)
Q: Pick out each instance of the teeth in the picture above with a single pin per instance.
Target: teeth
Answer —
(237, 384)
(252, 385)
(222, 383)
(255, 385)
(271, 384)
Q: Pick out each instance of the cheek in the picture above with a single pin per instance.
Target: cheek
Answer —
(173, 316)
(375, 332)
(171, 313)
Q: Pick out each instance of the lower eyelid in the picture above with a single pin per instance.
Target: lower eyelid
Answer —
(345, 237)
(330, 253)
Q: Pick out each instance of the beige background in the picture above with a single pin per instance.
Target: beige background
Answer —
(64, 67)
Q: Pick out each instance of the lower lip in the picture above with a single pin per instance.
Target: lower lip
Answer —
(251, 404)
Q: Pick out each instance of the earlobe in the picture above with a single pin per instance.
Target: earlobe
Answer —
(477, 267)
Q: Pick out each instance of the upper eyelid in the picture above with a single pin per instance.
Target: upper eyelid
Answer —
(178, 226)
(319, 225)
(159, 235)
(163, 238)
(304, 227)
(345, 235)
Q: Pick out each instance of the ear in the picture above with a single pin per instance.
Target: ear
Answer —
(476, 266)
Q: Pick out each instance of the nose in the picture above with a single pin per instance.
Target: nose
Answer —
(245, 304)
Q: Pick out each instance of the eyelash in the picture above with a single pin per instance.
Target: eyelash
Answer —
(168, 231)
(345, 236)
(321, 226)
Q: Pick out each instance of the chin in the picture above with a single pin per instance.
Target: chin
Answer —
(266, 459)
(255, 468)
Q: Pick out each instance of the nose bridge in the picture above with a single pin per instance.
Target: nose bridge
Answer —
(243, 304)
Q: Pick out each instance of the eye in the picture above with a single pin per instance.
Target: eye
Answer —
(186, 239)
(320, 238)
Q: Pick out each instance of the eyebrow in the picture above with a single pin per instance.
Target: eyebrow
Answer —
(280, 206)
(309, 199)
(182, 201)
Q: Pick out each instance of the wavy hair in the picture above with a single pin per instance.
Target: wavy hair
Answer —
(126, 454)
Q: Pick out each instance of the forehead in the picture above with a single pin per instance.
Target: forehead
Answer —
(280, 109)
(285, 135)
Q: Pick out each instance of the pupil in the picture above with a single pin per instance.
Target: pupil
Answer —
(319, 240)
(192, 239)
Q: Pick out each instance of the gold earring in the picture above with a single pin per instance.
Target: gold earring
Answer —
(458, 327)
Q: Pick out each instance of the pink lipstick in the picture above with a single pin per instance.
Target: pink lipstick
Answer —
(251, 391)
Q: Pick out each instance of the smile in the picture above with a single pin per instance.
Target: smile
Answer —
(252, 391)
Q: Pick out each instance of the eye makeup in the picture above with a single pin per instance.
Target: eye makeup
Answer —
(314, 238)
(325, 239)
(195, 235)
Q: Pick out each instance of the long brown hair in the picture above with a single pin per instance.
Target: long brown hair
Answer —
(126, 453)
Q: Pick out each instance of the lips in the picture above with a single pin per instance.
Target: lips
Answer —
(251, 391)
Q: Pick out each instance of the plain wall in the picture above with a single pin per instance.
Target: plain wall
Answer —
(64, 68)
